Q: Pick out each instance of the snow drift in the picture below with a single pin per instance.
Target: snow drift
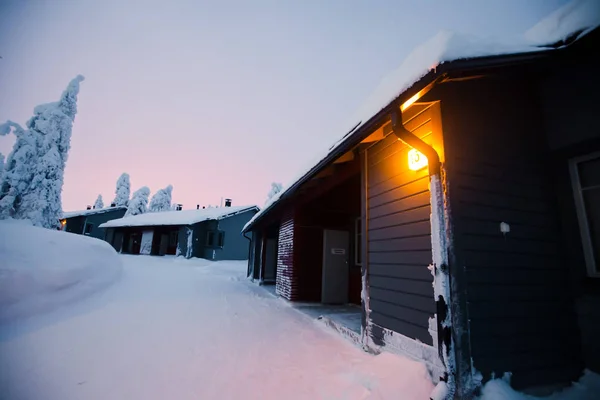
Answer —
(42, 269)
(587, 388)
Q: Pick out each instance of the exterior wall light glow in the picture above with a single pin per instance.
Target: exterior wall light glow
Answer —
(416, 160)
(410, 102)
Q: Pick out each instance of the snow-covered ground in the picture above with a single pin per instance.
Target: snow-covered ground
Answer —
(42, 269)
(172, 328)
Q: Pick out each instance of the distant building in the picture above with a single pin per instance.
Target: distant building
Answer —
(86, 222)
(211, 233)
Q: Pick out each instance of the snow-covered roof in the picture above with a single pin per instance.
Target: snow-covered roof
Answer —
(82, 213)
(578, 16)
(184, 217)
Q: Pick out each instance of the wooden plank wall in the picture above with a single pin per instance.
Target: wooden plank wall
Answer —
(520, 306)
(399, 235)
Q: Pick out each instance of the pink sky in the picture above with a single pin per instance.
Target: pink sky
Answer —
(218, 100)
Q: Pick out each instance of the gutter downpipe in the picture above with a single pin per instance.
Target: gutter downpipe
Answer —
(249, 252)
(447, 387)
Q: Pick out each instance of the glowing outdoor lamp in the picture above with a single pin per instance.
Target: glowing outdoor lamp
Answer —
(416, 160)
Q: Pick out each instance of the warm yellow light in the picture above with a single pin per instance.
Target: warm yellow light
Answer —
(416, 160)
(410, 101)
(63, 222)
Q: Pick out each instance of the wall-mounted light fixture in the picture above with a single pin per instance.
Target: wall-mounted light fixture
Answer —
(416, 160)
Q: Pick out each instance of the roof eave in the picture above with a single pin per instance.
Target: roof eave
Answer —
(381, 117)
(232, 214)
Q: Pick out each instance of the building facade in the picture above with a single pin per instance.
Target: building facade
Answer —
(470, 204)
(87, 222)
(213, 233)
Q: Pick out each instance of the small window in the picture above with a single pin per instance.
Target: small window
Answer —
(88, 228)
(358, 242)
(585, 175)
(215, 238)
(210, 238)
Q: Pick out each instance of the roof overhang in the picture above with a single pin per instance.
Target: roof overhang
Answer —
(444, 71)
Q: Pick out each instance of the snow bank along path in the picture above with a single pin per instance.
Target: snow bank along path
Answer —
(172, 328)
(191, 329)
(42, 269)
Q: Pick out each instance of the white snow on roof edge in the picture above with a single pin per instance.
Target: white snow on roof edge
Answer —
(174, 218)
(94, 211)
(577, 15)
(447, 46)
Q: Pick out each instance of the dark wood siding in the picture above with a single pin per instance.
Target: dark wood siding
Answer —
(98, 219)
(287, 284)
(235, 245)
(569, 95)
(75, 225)
(520, 307)
(399, 235)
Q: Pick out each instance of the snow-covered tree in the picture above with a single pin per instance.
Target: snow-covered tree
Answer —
(123, 190)
(139, 202)
(161, 201)
(275, 188)
(99, 203)
(52, 124)
(32, 181)
(4, 130)
(18, 170)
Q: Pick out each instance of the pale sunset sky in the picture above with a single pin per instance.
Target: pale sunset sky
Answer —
(217, 98)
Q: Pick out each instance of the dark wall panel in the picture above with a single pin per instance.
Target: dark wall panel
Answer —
(520, 305)
(235, 245)
(399, 236)
(97, 219)
(569, 97)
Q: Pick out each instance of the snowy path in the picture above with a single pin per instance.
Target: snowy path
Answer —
(179, 329)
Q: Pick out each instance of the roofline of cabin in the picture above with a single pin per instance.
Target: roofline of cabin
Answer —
(220, 218)
(382, 116)
(469, 66)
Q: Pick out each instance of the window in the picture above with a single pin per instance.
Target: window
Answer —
(358, 241)
(215, 238)
(88, 228)
(585, 175)
(210, 238)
